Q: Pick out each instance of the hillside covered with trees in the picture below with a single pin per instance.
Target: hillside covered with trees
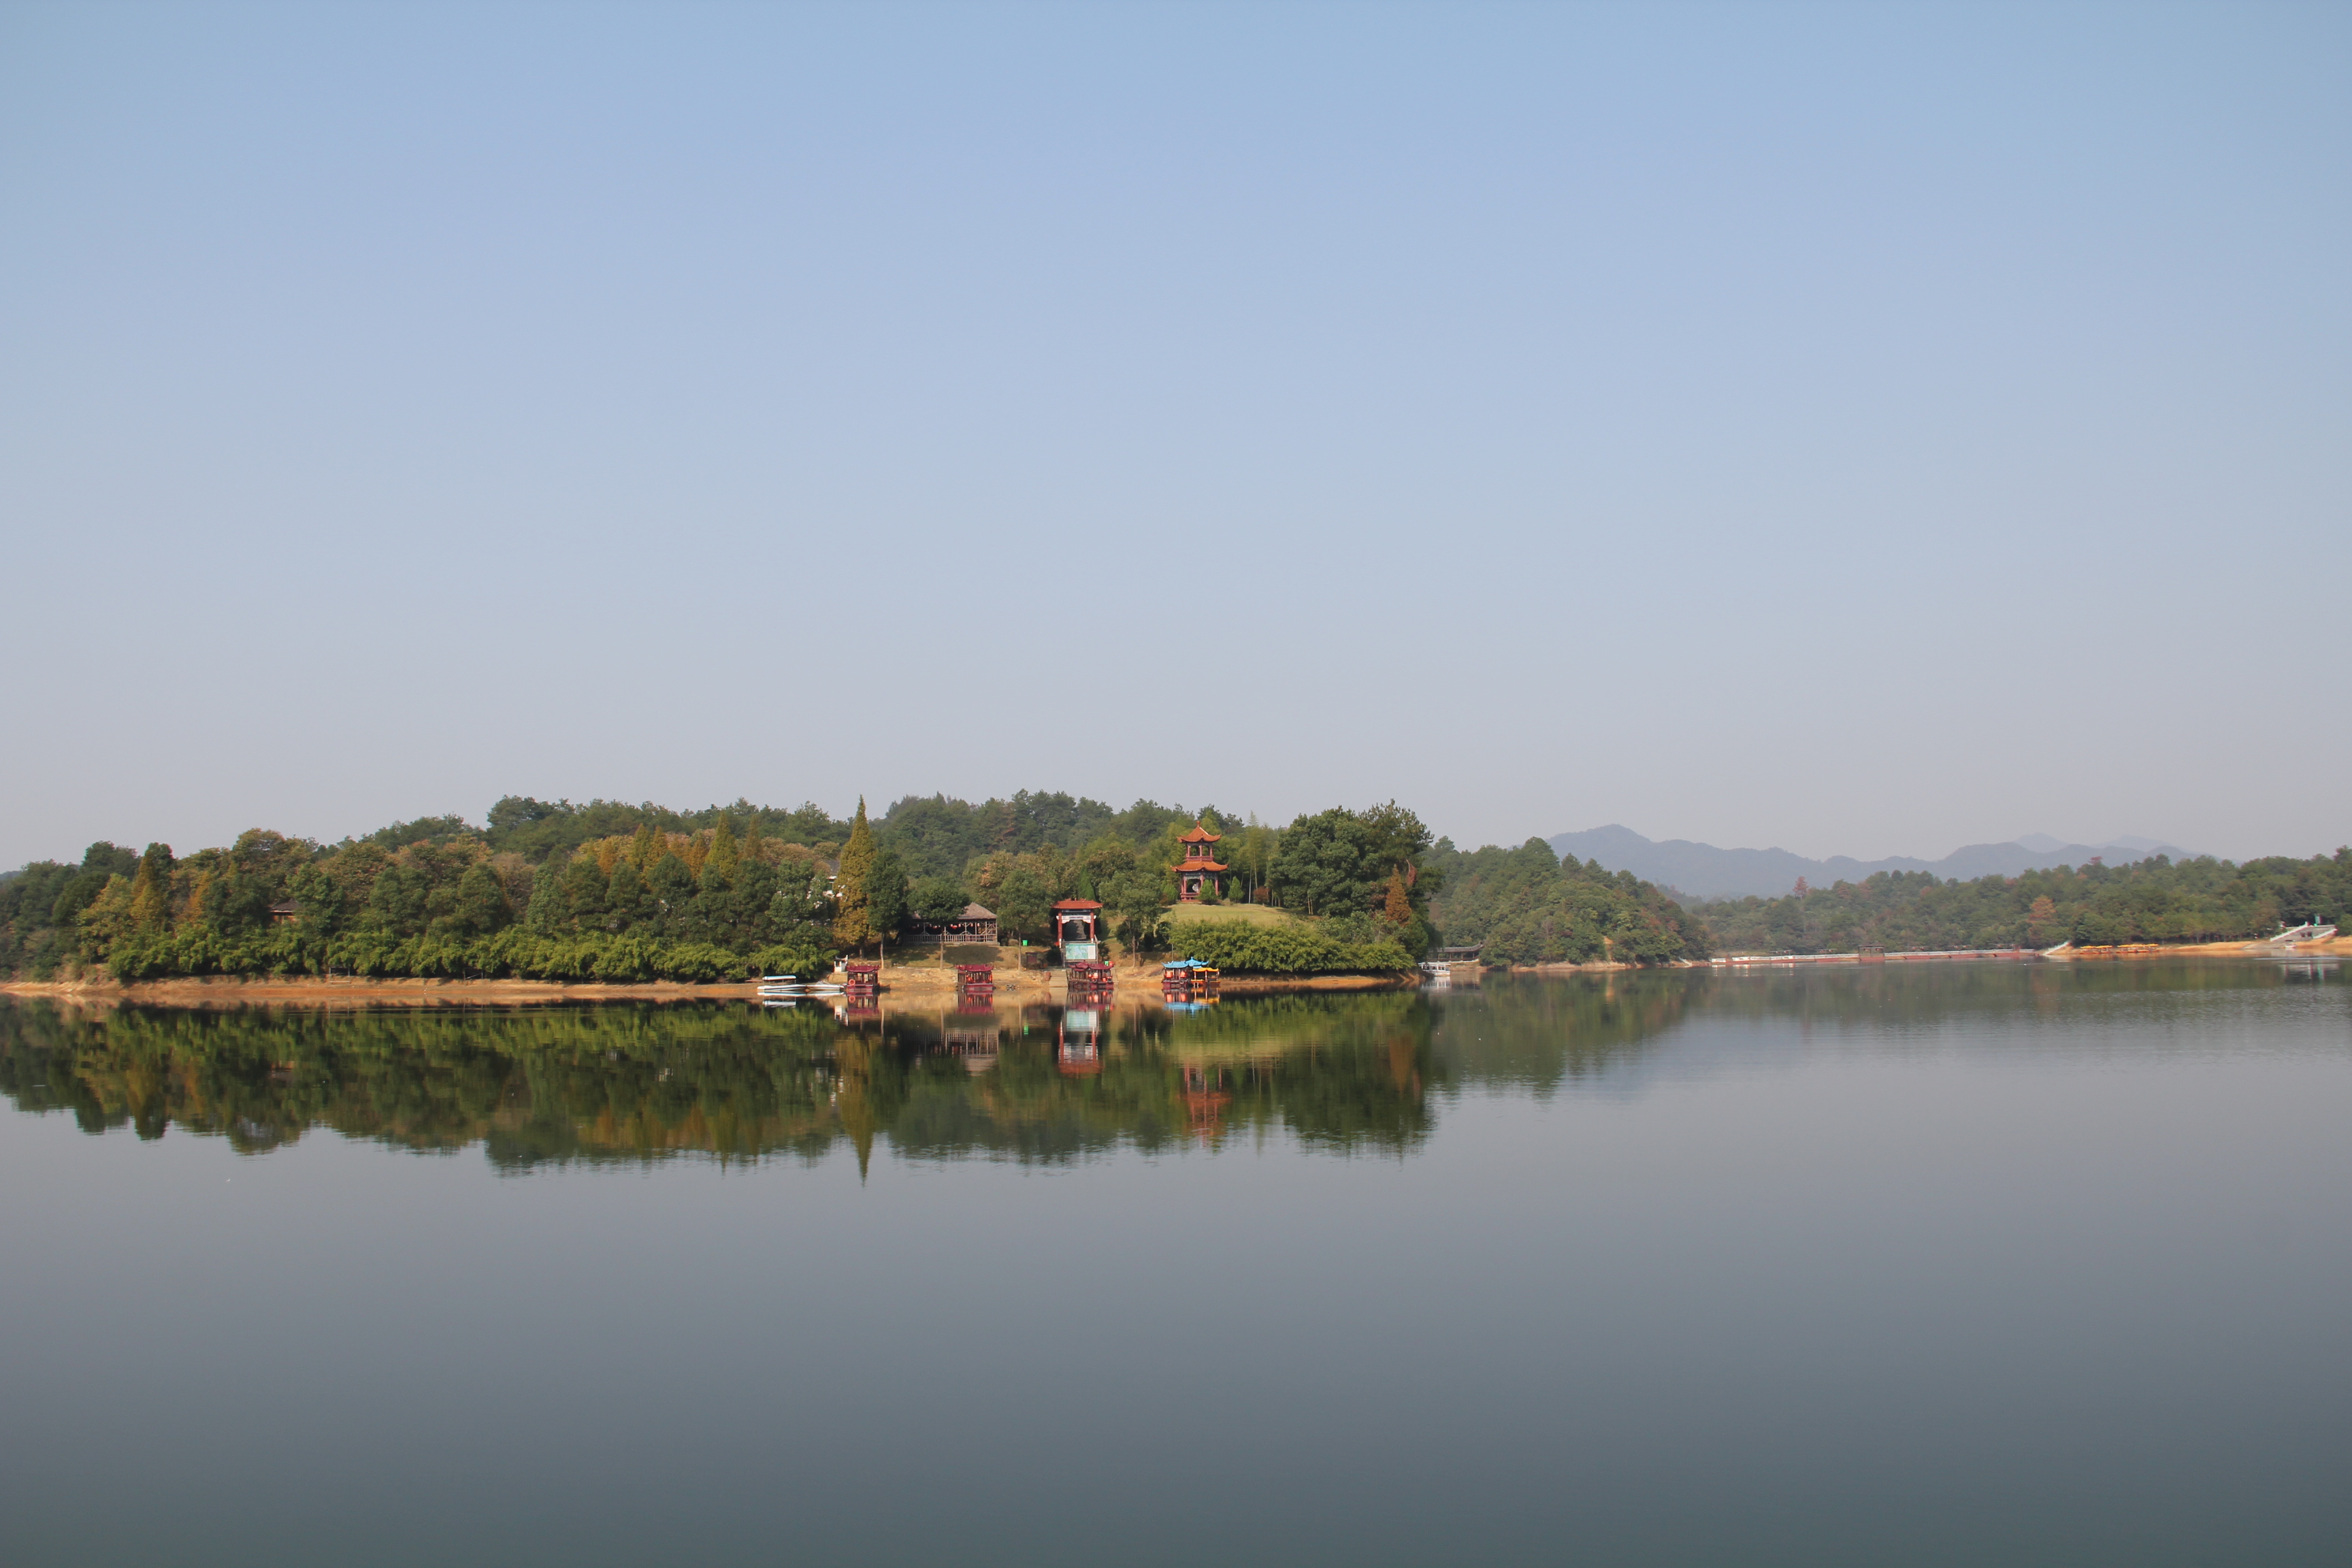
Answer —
(1529, 906)
(609, 891)
(2152, 900)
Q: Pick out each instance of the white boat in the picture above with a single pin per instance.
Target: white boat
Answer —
(785, 985)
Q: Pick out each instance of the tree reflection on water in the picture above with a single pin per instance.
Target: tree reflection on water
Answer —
(636, 1082)
(640, 1082)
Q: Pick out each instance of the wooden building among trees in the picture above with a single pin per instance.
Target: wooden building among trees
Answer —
(975, 925)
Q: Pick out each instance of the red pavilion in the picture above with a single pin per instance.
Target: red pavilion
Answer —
(1200, 872)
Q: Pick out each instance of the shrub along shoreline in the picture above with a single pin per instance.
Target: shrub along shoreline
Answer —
(512, 955)
(1242, 948)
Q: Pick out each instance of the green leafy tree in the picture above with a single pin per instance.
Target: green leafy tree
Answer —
(545, 914)
(1330, 864)
(235, 904)
(674, 888)
(106, 924)
(800, 893)
(396, 903)
(583, 891)
(886, 906)
(938, 900)
(1023, 902)
(481, 901)
(1103, 862)
(1252, 856)
(1134, 902)
(324, 909)
(625, 896)
(69, 894)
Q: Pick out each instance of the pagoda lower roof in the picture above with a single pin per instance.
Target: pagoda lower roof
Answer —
(1201, 866)
(1078, 904)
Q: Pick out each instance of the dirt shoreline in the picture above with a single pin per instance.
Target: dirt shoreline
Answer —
(2335, 948)
(2338, 947)
(904, 984)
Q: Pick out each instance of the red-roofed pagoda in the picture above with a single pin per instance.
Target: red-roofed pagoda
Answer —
(1199, 871)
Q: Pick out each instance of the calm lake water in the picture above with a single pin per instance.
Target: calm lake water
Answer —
(1966, 1265)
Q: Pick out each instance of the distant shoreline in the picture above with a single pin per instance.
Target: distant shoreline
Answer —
(2233, 949)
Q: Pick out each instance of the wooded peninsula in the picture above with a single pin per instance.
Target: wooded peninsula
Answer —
(616, 893)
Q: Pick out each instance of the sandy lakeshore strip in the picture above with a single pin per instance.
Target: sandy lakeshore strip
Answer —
(2335, 948)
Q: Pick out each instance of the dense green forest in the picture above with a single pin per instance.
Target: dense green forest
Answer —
(609, 891)
(2152, 900)
(1529, 906)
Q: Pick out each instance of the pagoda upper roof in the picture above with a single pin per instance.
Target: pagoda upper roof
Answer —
(1077, 904)
(1200, 835)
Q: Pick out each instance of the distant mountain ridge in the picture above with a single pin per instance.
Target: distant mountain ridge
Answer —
(1704, 871)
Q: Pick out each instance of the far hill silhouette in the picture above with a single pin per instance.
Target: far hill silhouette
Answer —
(1704, 871)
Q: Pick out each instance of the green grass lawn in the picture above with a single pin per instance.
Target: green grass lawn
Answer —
(1255, 914)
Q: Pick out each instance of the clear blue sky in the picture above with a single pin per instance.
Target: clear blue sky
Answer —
(1864, 429)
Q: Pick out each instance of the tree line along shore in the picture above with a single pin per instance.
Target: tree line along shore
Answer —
(612, 893)
(2156, 903)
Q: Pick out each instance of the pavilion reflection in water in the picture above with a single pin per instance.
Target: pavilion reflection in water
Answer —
(1079, 1041)
(1208, 1091)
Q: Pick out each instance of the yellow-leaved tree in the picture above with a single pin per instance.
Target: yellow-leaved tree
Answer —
(1398, 907)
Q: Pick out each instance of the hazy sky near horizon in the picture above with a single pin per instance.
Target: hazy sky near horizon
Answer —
(1860, 429)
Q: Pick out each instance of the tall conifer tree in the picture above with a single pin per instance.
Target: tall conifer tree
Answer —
(625, 897)
(850, 927)
(723, 853)
(546, 911)
(150, 890)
